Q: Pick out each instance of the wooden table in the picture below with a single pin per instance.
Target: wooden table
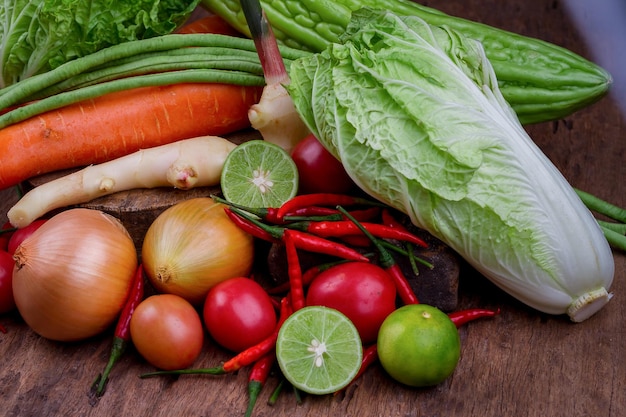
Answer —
(523, 363)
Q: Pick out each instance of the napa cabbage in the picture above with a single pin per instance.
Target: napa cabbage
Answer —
(415, 115)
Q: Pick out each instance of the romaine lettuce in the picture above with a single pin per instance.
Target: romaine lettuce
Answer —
(38, 35)
(415, 114)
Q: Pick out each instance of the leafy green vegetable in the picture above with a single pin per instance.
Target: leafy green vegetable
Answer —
(415, 114)
(39, 35)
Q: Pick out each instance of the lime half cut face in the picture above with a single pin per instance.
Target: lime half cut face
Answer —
(259, 174)
(319, 350)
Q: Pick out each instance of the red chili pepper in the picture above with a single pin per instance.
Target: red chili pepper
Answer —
(388, 263)
(347, 228)
(370, 356)
(5, 234)
(406, 293)
(462, 317)
(304, 241)
(265, 213)
(122, 331)
(317, 244)
(317, 213)
(294, 272)
(275, 302)
(255, 352)
(367, 214)
(258, 376)
(307, 276)
(310, 211)
(249, 227)
(356, 241)
(321, 199)
(391, 221)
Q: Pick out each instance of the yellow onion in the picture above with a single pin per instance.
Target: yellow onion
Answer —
(72, 276)
(192, 246)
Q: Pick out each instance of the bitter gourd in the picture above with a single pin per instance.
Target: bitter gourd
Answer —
(540, 80)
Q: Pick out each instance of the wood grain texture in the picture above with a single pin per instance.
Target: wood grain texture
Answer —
(523, 363)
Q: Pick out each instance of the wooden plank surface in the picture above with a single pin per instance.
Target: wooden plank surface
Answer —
(522, 363)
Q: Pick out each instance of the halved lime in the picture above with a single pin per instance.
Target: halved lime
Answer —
(319, 350)
(259, 174)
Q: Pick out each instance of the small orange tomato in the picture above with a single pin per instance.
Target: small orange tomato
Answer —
(167, 331)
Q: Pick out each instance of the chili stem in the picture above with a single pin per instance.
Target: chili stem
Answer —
(245, 224)
(257, 379)
(8, 230)
(305, 241)
(403, 252)
(265, 213)
(297, 394)
(218, 370)
(406, 293)
(274, 396)
(275, 232)
(391, 221)
(122, 331)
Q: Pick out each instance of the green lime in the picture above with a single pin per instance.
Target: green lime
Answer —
(418, 345)
(259, 174)
(319, 350)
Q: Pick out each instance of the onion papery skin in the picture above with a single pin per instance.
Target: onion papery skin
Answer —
(72, 276)
(192, 246)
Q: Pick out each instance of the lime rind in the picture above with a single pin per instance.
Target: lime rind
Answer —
(259, 174)
(319, 350)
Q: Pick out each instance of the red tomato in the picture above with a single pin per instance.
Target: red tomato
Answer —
(362, 291)
(20, 234)
(238, 313)
(4, 237)
(167, 331)
(7, 302)
(318, 169)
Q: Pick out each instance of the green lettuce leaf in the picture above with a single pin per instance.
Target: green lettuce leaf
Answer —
(415, 115)
(39, 35)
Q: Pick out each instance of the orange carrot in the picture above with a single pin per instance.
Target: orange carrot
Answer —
(120, 123)
(209, 24)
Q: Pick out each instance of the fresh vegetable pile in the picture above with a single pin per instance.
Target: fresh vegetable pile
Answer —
(407, 112)
(356, 292)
